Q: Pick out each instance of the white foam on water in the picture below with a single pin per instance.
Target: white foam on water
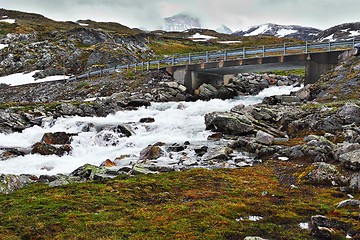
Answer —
(172, 125)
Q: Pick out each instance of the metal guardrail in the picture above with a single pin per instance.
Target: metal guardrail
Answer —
(229, 54)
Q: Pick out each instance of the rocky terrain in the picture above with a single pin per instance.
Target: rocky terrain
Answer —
(283, 31)
(181, 22)
(346, 31)
(287, 168)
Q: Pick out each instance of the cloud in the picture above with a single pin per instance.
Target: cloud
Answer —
(212, 13)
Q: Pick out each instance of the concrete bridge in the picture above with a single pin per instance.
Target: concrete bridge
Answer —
(196, 68)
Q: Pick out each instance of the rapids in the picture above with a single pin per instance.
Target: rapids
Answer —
(172, 125)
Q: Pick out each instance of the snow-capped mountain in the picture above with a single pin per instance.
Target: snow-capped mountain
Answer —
(284, 31)
(181, 22)
(340, 32)
(224, 29)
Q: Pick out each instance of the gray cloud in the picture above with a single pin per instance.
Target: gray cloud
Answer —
(234, 13)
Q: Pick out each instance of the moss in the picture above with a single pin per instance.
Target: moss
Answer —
(199, 204)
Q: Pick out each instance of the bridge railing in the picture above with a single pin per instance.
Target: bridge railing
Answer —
(229, 54)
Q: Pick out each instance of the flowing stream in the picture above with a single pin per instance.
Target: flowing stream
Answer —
(172, 125)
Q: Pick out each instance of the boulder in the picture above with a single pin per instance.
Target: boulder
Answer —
(207, 91)
(147, 120)
(351, 160)
(290, 99)
(219, 153)
(108, 163)
(228, 123)
(328, 124)
(10, 182)
(349, 113)
(56, 138)
(151, 152)
(47, 149)
(68, 109)
(91, 172)
(355, 182)
(348, 202)
(320, 173)
(345, 148)
(304, 93)
(264, 138)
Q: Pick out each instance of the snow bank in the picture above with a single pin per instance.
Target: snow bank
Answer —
(21, 78)
(11, 21)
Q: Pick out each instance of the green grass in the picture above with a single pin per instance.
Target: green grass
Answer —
(196, 204)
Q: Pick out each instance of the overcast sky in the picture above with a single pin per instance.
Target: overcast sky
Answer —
(236, 14)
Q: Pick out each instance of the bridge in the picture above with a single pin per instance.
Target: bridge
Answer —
(193, 69)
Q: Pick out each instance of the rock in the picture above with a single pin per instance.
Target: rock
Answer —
(201, 151)
(47, 149)
(207, 91)
(182, 88)
(68, 109)
(320, 222)
(56, 138)
(345, 148)
(351, 160)
(290, 99)
(355, 182)
(320, 173)
(181, 106)
(304, 93)
(349, 202)
(349, 113)
(91, 172)
(147, 120)
(11, 153)
(138, 103)
(228, 123)
(215, 136)
(10, 182)
(108, 163)
(219, 153)
(264, 138)
(151, 152)
(141, 169)
(328, 124)
(170, 84)
(176, 148)
(121, 130)
(272, 100)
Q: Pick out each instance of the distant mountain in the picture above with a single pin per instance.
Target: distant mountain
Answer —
(283, 31)
(340, 32)
(181, 22)
(224, 29)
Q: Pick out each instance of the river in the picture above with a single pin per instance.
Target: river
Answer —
(172, 125)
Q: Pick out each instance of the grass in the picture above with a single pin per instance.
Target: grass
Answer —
(195, 204)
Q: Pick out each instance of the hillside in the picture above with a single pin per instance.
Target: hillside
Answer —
(30, 42)
(287, 31)
(346, 31)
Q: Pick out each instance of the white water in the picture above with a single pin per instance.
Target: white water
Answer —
(172, 125)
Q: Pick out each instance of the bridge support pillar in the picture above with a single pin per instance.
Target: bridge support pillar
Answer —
(318, 64)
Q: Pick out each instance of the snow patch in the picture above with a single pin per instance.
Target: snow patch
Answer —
(83, 24)
(21, 79)
(329, 38)
(11, 21)
(199, 37)
(259, 30)
(250, 218)
(354, 33)
(229, 42)
(304, 225)
(284, 32)
(2, 46)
